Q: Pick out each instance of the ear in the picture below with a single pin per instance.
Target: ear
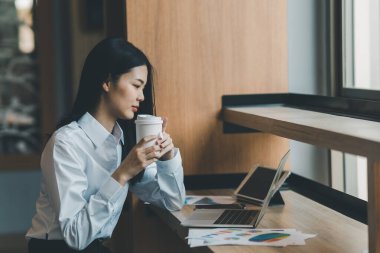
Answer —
(106, 86)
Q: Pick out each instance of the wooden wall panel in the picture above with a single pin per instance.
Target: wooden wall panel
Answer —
(202, 50)
(82, 41)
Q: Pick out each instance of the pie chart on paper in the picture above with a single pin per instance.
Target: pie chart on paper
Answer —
(269, 237)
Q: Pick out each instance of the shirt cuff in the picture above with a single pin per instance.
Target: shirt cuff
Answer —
(111, 190)
(170, 166)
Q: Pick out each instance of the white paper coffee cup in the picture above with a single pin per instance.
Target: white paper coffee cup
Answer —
(147, 125)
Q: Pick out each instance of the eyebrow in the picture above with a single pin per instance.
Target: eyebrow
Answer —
(141, 81)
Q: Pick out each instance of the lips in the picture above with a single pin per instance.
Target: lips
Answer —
(135, 108)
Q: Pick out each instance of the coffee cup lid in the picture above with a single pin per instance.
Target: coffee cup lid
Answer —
(148, 119)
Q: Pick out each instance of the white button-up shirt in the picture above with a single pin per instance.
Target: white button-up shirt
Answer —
(79, 200)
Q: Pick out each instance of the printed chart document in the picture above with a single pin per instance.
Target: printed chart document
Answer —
(243, 236)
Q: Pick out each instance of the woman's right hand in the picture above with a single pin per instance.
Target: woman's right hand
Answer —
(137, 160)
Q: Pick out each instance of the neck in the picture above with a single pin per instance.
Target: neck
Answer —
(104, 118)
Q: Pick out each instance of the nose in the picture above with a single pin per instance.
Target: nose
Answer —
(140, 97)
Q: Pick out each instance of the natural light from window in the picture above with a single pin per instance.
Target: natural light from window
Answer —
(361, 70)
(361, 40)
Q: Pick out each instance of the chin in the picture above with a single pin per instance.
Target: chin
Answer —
(125, 115)
(128, 115)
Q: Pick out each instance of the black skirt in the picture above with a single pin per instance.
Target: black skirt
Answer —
(60, 246)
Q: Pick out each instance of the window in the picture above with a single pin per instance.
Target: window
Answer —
(27, 100)
(360, 40)
(349, 174)
(358, 47)
(19, 122)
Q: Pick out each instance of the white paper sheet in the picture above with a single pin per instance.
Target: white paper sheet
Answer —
(259, 237)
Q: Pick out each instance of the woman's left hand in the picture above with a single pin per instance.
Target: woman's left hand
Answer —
(166, 143)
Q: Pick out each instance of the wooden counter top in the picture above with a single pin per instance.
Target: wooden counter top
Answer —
(335, 232)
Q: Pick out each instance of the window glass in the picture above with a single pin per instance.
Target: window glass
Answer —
(349, 174)
(361, 78)
(361, 44)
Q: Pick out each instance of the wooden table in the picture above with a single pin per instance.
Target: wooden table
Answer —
(335, 232)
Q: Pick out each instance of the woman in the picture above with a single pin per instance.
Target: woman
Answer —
(85, 178)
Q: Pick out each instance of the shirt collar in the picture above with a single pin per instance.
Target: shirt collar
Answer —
(96, 131)
(118, 133)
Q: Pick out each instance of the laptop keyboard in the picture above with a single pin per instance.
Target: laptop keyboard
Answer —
(242, 217)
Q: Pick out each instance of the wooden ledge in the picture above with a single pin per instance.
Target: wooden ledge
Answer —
(356, 136)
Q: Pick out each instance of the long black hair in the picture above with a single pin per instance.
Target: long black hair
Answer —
(107, 61)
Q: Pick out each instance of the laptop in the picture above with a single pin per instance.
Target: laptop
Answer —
(238, 217)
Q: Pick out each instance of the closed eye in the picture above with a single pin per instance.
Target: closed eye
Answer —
(139, 85)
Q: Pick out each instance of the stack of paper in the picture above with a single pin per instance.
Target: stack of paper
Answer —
(243, 236)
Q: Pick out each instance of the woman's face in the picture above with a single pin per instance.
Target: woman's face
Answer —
(124, 96)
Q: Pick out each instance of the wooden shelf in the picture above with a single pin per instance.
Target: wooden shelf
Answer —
(355, 136)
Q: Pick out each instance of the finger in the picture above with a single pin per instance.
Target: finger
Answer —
(146, 139)
(153, 155)
(166, 143)
(164, 124)
(151, 149)
(167, 149)
(162, 138)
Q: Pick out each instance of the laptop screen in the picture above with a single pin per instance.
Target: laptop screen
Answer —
(258, 184)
